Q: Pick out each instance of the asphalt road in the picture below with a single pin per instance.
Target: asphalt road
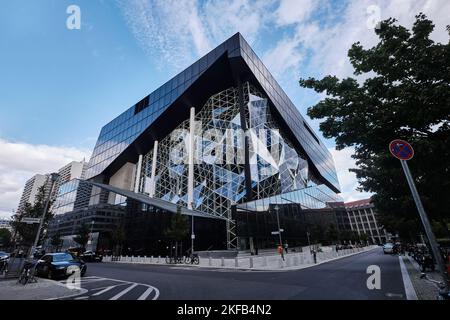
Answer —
(340, 279)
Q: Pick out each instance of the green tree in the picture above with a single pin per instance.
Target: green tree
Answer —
(332, 233)
(82, 235)
(56, 241)
(118, 237)
(179, 228)
(405, 94)
(26, 233)
(5, 238)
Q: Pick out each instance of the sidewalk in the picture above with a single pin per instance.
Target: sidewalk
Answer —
(423, 288)
(293, 261)
(43, 289)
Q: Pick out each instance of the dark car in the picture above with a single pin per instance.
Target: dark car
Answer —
(59, 265)
(90, 256)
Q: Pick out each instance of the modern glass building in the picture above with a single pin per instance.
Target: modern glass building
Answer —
(220, 142)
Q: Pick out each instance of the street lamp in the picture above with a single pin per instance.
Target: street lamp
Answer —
(92, 235)
(192, 229)
(277, 208)
(54, 177)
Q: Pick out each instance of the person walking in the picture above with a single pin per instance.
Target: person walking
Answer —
(286, 247)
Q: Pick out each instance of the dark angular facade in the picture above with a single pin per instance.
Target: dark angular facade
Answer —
(224, 142)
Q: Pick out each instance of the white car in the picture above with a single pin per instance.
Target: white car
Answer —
(388, 248)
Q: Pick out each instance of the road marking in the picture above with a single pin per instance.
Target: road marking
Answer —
(409, 289)
(104, 290)
(82, 298)
(123, 292)
(146, 294)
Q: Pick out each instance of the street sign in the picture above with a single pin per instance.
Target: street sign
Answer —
(31, 220)
(276, 232)
(401, 149)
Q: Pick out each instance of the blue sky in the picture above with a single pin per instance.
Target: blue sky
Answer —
(58, 87)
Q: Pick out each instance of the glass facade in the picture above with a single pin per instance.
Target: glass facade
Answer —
(249, 143)
(117, 135)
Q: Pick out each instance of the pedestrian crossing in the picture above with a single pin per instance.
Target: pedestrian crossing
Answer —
(99, 288)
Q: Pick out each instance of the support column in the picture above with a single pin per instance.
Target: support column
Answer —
(191, 159)
(152, 177)
(248, 178)
(137, 178)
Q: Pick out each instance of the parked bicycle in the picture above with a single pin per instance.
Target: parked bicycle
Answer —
(443, 294)
(174, 259)
(4, 267)
(28, 273)
(192, 259)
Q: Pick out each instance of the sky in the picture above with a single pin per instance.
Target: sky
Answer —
(59, 86)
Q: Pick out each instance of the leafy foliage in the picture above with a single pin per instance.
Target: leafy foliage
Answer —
(406, 95)
(82, 235)
(5, 238)
(27, 232)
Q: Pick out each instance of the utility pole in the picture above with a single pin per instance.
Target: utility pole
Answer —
(54, 177)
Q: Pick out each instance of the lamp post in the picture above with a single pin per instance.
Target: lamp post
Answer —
(277, 208)
(92, 234)
(192, 230)
(54, 177)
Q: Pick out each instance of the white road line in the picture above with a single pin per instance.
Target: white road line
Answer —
(146, 294)
(123, 292)
(409, 289)
(104, 290)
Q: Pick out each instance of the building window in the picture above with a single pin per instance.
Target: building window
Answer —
(141, 105)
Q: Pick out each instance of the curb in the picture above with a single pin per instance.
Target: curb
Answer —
(284, 269)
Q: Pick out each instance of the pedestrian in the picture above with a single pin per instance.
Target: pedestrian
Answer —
(286, 246)
(280, 251)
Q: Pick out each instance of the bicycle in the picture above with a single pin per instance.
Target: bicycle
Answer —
(443, 294)
(192, 259)
(4, 267)
(27, 274)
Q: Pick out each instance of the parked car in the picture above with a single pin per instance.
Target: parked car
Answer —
(90, 256)
(4, 255)
(59, 265)
(388, 248)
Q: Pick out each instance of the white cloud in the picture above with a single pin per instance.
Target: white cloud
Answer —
(347, 180)
(284, 57)
(294, 11)
(169, 27)
(20, 161)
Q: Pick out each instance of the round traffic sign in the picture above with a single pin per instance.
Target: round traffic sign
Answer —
(401, 149)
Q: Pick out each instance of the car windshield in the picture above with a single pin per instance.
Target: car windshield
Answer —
(388, 245)
(62, 257)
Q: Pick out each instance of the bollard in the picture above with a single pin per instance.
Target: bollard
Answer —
(151, 259)
(251, 262)
(159, 259)
(236, 262)
(222, 262)
(210, 261)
